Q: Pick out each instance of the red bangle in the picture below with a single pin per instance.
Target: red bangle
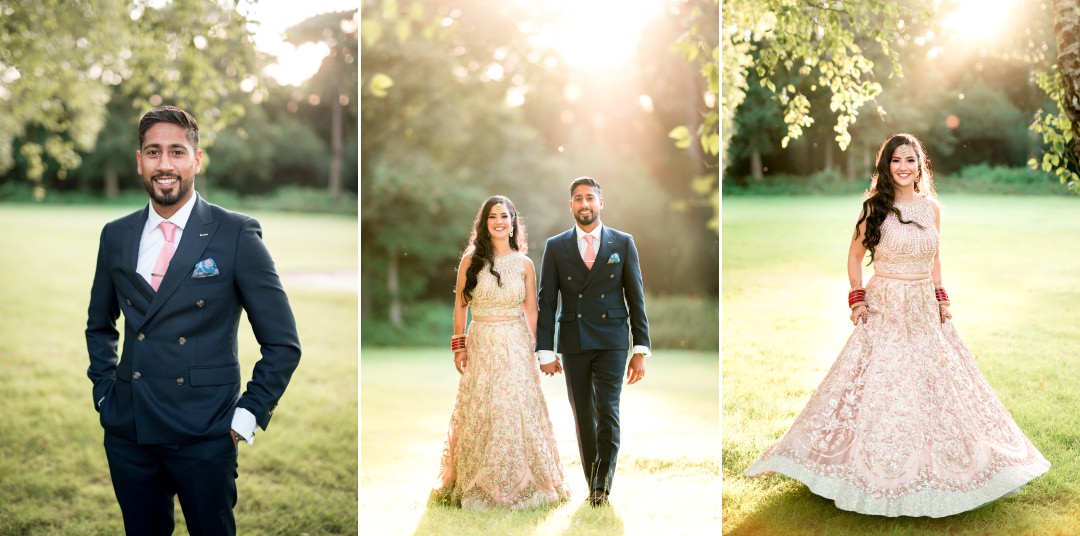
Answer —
(856, 297)
(941, 295)
(457, 343)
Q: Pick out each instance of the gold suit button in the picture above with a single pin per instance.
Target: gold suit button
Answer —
(200, 303)
(179, 381)
(140, 336)
(602, 296)
(182, 341)
(579, 315)
(127, 301)
(603, 315)
(568, 278)
(580, 296)
(136, 375)
(612, 276)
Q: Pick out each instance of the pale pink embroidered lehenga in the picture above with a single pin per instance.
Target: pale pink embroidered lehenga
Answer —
(904, 424)
(500, 448)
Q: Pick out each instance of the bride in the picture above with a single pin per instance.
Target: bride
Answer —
(903, 424)
(500, 448)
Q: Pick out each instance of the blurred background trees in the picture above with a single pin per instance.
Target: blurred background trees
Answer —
(463, 99)
(75, 77)
(969, 78)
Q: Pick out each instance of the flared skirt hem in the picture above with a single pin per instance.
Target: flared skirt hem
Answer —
(928, 503)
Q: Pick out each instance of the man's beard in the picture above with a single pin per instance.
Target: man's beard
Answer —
(165, 199)
(585, 220)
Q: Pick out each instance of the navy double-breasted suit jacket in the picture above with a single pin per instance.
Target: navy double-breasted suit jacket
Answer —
(178, 378)
(600, 308)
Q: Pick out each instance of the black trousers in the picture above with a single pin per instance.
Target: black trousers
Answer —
(594, 382)
(147, 477)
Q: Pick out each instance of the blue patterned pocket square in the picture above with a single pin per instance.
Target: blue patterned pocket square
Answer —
(613, 259)
(206, 268)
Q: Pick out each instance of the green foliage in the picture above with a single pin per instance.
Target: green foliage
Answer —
(821, 40)
(436, 143)
(335, 83)
(825, 182)
(675, 323)
(700, 47)
(1056, 130)
(974, 179)
(426, 324)
(986, 179)
(683, 323)
(63, 60)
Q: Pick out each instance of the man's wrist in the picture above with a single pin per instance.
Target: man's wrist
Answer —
(546, 357)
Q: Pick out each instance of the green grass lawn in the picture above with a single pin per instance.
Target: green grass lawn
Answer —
(667, 480)
(300, 476)
(1012, 268)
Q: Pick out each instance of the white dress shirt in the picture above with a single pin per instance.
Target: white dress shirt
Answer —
(153, 239)
(548, 356)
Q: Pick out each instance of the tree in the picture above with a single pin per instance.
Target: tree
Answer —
(61, 61)
(1061, 130)
(814, 37)
(337, 77)
(701, 48)
(437, 138)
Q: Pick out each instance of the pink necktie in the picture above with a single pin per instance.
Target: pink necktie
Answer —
(167, 250)
(590, 254)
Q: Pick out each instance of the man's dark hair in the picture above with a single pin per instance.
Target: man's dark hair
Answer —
(174, 115)
(588, 181)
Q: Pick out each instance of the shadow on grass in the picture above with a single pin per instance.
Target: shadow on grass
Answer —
(604, 517)
(787, 511)
(443, 519)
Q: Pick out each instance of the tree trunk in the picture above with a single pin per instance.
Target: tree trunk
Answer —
(755, 165)
(112, 183)
(393, 288)
(852, 162)
(335, 147)
(868, 163)
(1067, 30)
(830, 164)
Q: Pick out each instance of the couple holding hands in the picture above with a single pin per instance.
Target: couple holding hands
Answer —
(500, 448)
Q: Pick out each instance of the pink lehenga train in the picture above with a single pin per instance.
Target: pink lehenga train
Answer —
(500, 447)
(904, 424)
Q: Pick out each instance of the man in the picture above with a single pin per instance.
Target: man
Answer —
(593, 270)
(180, 271)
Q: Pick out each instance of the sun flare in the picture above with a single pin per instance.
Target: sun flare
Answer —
(979, 19)
(598, 33)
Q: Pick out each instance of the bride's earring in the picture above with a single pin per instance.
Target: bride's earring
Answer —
(511, 232)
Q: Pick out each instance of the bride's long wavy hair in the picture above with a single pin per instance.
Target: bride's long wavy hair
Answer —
(879, 198)
(483, 251)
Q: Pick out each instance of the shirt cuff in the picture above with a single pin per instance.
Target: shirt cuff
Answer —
(643, 350)
(243, 423)
(546, 356)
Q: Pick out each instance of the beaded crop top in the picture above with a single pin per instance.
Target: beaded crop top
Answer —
(490, 299)
(906, 248)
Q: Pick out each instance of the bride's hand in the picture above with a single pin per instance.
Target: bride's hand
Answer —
(858, 314)
(945, 314)
(460, 359)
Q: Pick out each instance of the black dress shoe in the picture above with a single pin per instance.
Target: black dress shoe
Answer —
(598, 497)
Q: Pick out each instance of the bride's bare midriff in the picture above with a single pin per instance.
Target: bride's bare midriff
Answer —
(493, 318)
(905, 277)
